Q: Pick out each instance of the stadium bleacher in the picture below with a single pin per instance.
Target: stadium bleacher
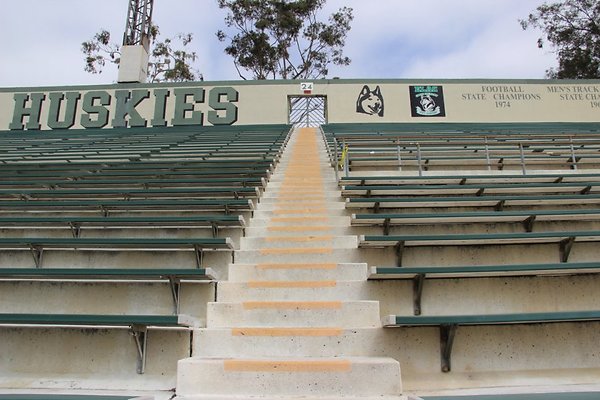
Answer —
(108, 239)
(395, 260)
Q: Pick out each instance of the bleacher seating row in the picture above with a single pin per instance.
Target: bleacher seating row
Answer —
(451, 147)
(435, 201)
(112, 241)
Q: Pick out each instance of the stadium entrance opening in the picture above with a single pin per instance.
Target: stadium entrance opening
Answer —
(307, 110)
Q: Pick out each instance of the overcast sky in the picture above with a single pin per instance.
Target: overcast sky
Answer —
(41, 39)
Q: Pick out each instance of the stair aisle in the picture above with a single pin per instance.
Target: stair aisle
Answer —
(292, 320)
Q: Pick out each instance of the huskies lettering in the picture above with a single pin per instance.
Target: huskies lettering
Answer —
(370, 101)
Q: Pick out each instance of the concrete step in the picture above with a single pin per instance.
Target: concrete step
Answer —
(297, 271)
(277, 182)
(302, 241)
(296, 220)
(306, 230)
(350, 314)
(302, 397)
(302, 211)
(298, 206)
(293, 290)
(300, 201)
(272, 198)
(299, 194)
(291, 342)
(352, 376)
(296, 254)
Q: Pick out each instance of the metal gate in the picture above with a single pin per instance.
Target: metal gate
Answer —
(307, 110)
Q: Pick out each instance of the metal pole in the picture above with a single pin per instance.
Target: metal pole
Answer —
(399, 155)
(346, 160)
(337, 160)
(523, 168)
(487, 155)
(419, 159)
(573, 153)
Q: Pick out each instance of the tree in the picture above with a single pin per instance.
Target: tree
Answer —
(572, 28)
(166, 63)
(284, 38)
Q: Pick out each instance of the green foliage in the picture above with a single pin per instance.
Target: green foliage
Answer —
(166, 62)
(572, 28)
(284, 38)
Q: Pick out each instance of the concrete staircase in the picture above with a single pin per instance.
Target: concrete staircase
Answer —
(294, 320)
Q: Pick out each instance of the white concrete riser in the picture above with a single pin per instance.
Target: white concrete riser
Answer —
(280, 207)
(365, 377)
(301, 211)
(302, 241)
(317, 397)
(329, 198)
(350, 314)
(215, 343)
(330, 255)
(240, 291)
(304, 230)
(299, 220)
(249, 272)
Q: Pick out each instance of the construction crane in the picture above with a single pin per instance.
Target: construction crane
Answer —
(136, 42)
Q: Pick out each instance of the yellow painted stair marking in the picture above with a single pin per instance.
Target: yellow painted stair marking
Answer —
(298, 219)
(296, 197)
(294, 305)
(296, 266)
(290, 284)
(307, 176)
(300, 191)
(298, 228)
(309, 238)
(310, 205)
(282, 332)
(296, 250)
(301, 211)
(310, 200)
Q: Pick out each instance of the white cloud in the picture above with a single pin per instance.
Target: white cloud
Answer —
(389, 39)
(442, 39)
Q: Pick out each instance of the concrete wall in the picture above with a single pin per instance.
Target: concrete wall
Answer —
(266, 102)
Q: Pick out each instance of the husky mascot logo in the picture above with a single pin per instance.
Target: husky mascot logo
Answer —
(427, 101)
(370, 101)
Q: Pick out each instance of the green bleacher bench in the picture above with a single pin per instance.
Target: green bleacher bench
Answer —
(400, 242)
(117, 193)
(106, 206)
(521, 396)
(137, 324)
(470, 189)
(448, 324)
(173, 275)
(527, 218)
(115, 156)
(418, 275)
(100, 173)
(467, 179)
(497, 202)
(144, 183)
(76, 224)
(154, 166)
(37, 246)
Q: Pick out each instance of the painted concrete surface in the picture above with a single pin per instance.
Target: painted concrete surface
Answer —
(88, 358)
(295, 319)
